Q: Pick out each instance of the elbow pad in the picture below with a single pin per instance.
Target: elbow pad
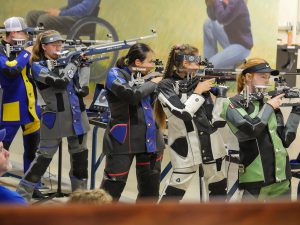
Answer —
(12, 73)
(60, 83)
(254, 127)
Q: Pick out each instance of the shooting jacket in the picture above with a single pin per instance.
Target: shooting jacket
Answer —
(132, 128)
(191, 135)
(262, 138)
(19, 102)
(64, 114)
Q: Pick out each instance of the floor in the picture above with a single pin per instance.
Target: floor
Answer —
(130, 192)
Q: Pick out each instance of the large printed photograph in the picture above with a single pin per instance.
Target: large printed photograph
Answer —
(226, 36)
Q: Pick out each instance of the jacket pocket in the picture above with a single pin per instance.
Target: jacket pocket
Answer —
(119, 132)
(11, 111)
(48, 119)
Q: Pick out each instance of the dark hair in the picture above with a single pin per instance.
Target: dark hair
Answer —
(209, 2)
(136, 51)
(172, 64)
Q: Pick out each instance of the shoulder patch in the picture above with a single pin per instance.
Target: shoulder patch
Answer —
(231, 105)
(11, 63)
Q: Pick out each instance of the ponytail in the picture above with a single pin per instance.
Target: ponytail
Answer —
(159, 115)
(136, 51)
(171, 65)
(37, 50)
(121, 62)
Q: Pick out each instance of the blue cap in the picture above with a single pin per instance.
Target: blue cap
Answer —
(2, 134)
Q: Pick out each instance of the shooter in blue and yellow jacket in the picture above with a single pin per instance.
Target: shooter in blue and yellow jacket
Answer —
(19, 104)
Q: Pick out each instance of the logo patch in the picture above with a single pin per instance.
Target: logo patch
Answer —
(231, 106)
(70, 73)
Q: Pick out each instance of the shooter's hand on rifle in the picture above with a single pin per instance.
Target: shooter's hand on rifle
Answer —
(204, 86)
(77, 59)
(276, 101)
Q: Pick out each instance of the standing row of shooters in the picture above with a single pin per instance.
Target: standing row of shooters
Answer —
(180, 101)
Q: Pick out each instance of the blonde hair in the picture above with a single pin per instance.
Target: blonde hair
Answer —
(96, 197)
(37, 50)
(241, 78)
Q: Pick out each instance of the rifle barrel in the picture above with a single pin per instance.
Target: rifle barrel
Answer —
(289, 73)
(225, 77)
(129, 41)
(290, 104)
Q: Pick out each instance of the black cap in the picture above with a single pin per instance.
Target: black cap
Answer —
(261, 68)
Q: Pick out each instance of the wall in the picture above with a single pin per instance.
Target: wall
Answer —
(176, 21)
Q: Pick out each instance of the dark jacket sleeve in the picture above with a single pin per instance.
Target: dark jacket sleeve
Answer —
(168, 98)
(287, 132)
(210, 10)
(225, 14)
(120, 88)
(85, 8)
(57, 78)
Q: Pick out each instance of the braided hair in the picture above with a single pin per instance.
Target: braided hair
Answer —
(171, 66)
(176, 50)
